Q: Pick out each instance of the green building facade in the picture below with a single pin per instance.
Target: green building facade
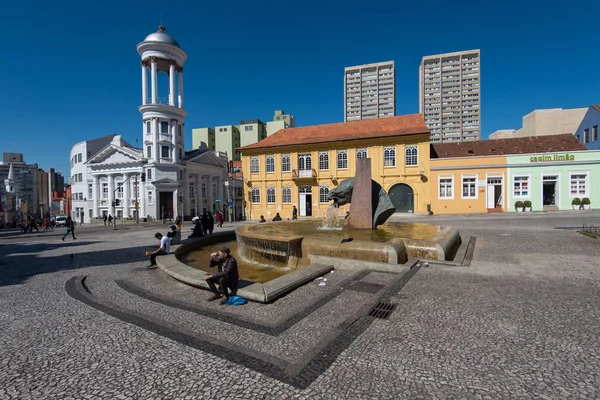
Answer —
(552, 180)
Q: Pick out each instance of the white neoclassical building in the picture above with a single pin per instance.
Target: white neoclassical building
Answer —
(161, 179)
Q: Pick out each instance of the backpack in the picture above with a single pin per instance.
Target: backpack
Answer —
(236, 301)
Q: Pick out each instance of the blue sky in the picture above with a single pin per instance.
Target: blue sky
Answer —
(69, 70)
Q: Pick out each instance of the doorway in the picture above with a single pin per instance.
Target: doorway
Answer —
(166, 205)
(402, 197)
(494, 193)
(305, 201)
(549, 194)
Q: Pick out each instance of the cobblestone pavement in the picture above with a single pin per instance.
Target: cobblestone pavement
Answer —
(521, 322)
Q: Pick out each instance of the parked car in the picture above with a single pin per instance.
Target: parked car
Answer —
(61, 220)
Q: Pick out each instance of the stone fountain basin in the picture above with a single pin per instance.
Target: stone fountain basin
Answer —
(258, 292)
(441, 245)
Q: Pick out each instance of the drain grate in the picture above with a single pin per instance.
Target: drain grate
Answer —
(382, 310)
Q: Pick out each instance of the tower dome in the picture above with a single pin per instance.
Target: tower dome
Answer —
(161, 37)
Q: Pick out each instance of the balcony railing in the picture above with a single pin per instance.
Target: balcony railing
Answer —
(304, 174)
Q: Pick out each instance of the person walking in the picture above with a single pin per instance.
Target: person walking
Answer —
(220, 219)
(70, 224)
(227, 275)
(294, 213)
(104, 218)
(110, 218)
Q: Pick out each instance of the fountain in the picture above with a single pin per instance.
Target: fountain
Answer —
(285, 254)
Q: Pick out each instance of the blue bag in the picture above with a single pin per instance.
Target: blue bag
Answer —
(236, 301)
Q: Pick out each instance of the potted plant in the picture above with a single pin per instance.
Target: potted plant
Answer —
(586, 203)
(527, 205)
(576, 203)
(519, 205)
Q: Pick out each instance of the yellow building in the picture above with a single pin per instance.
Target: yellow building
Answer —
(298, 166)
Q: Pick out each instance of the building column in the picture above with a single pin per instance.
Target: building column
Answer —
(95, 194)
(111, 192)
(210, 194)
(186, 193)
(126, 196)
(142, 199)
(144, 84)
(180, 89)
(198, 195)
(154, 74)
(172, 84)
(173, 128)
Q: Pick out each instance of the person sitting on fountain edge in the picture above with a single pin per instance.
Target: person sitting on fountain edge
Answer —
(227, 276)
(277, 217)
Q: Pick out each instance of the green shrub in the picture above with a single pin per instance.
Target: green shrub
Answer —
(519, 204)
(527, 203)
(576, 201)
(586, 201)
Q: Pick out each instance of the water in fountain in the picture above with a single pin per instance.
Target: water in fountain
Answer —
(331, 221)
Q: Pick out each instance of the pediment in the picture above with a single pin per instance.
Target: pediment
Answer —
(115, 155)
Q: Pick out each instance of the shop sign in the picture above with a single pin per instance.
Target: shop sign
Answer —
(553, 157)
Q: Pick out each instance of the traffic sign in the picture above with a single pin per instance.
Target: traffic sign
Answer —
(230, 204)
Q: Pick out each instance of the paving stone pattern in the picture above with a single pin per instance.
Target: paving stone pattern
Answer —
(520, 322)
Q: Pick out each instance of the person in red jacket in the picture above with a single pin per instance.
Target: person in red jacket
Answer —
(220, 219)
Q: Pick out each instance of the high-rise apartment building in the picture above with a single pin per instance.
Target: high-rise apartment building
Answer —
(449, 95)
(369, 91)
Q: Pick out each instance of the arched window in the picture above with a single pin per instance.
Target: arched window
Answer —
(286, 194)
(411, 155)
(361, 153)
(304, 162)
(255, 195)
(342, 159)
(285, 163)
(270, 164)
(323, 160)
(323, 192)
(389, 157)
(271, 195)
(254, 164)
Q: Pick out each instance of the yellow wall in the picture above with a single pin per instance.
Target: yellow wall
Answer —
(414, 176)
(478, 167)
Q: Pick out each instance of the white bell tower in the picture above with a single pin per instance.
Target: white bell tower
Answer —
(162, 111)
(9, 182)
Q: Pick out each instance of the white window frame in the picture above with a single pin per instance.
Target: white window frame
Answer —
(587, 184)
(286, 195)
(271, 199)
(462, 186)
(513, 190)
(439, 186)
(323, 194)
(286, 161)
(119, 190)
(342, 158)
(360, 151)
(272, 160)
(150, 197)
(323, 161)
(255, 197)
(162, 124)
(411, 153)
(392, 151)
(104, 187)
(254, 165)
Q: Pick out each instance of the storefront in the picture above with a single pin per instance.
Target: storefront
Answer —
(551, 181)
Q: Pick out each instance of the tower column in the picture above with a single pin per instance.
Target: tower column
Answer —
(155, 140)
(154, 73)
(111, 192)
(144, 84)
(173, 129)
(180, 89)
(172, 84)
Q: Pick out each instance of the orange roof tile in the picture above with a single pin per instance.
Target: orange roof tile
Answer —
(499, 147)
(596, 107)
(366, 129)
